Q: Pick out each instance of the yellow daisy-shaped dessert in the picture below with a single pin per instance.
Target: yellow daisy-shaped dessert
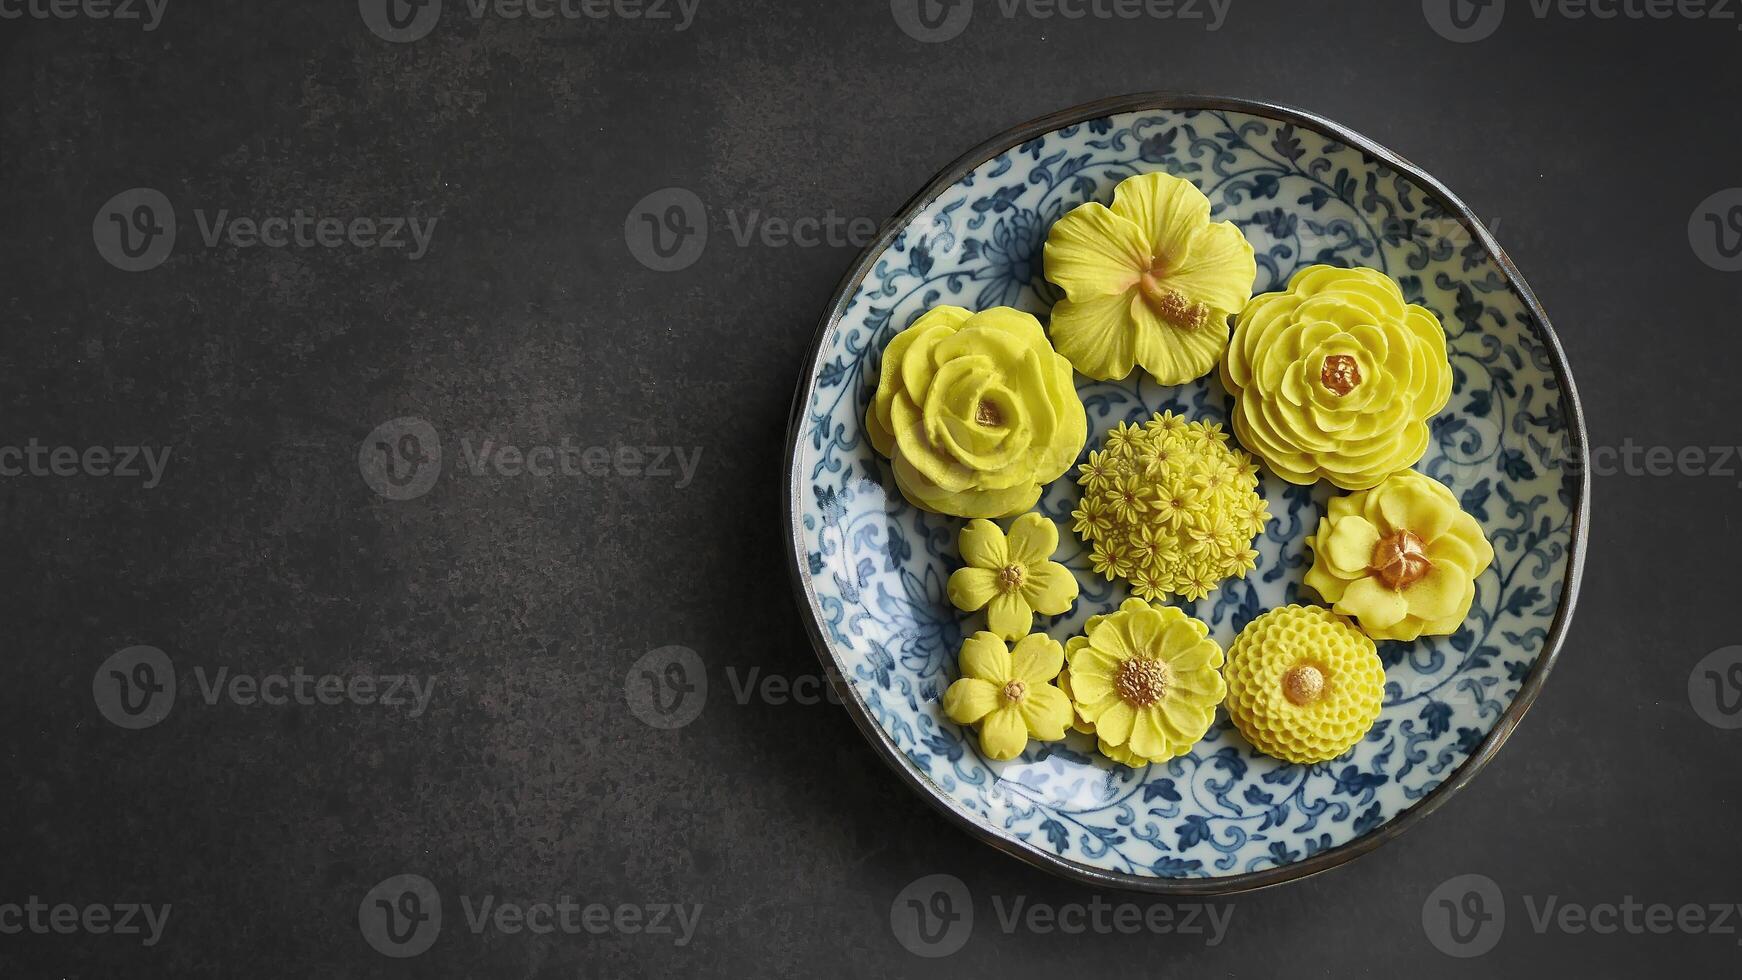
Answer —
(1009, 693)
(1118, 753)
(1303, 685)
(1149, 281)
(1402, 558)
(1012, 577)
(976, 412)
(1336, 377)
(1145, 678)
(1170, 507)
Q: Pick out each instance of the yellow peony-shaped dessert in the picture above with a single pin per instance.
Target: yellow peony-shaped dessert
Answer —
(1170, 508)
(1009, 693)
(1012, 577)
(1336, 377)
(1146, 679)
(976, 412)
(1303, 685)
(1403, 558)
(1149, 281)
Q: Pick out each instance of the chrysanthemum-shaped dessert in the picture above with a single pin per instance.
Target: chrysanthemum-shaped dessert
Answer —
(1403, 558)
(1012, 577)
(1145, 679)
(1169, 507)
(1009, 693)
(1149, 281)
(976, 412)
(1336, 377)
(1303, 685)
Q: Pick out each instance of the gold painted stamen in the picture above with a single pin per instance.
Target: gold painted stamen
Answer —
(1303, 684)
(1010, 578)
(1141, 681)
(1340, 375)
(1168, 303)
(1400, 560)
(1015, 691)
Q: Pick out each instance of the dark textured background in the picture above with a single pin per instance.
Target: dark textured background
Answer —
(1587, 144)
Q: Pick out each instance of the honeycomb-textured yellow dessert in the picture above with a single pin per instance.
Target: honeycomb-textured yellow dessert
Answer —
(1303, 685)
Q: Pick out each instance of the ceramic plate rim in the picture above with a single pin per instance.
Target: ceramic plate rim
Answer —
(1324, 861)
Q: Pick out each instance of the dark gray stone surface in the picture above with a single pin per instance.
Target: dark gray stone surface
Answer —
(525, 600)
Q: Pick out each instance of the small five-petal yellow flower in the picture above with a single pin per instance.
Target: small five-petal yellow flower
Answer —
(1149, 281)
(1012, 577)
(1009, 693)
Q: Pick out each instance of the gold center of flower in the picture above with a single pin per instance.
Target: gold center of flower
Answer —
(1400, 560)
(1140, 681)
(1340, 375)
(1168, 303)
(1303, 684)
(1010, 578)
(988, 414)
(1015, 691)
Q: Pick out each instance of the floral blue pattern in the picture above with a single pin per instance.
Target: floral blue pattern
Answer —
(874, 567)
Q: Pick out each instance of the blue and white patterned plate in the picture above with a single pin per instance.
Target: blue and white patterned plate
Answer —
(871, 569)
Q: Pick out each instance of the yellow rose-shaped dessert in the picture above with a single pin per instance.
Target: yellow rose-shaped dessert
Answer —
(1146, 679)
(1303, 685)
(1149, 281)
(1009, 693)
(1012, 577)
(1169, 507)
(1336, 377)
(1403, 558)
(976, 412)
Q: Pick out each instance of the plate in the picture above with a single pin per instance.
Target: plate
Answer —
(870, 569)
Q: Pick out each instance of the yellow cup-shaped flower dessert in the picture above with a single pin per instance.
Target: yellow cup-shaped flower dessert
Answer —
(1336, 377)
(1303, 685)
(1170, 508)
(1012, 576)
(1149, 281)
(976, 412)
(1402, 558)
(1009, 693)
(1145, 679)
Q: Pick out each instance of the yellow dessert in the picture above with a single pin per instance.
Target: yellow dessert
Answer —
(1145, 680)
(1402, 558)
(1149, 281)
(1009, 693)
(1012, 577)
(1303, 685)
(1336, 377)
(976, 412)
(1169, 507)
